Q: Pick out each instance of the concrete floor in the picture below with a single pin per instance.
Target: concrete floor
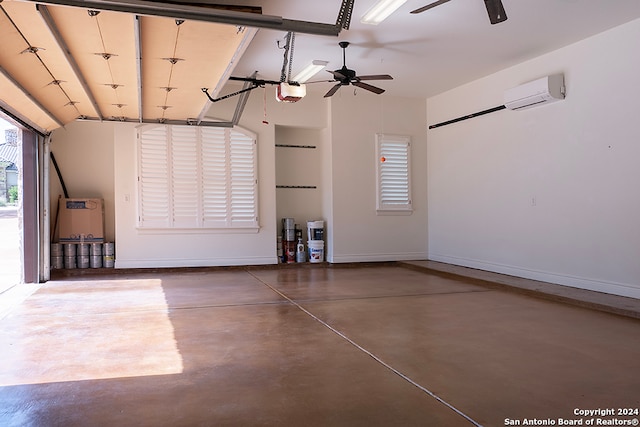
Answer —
(371, 346)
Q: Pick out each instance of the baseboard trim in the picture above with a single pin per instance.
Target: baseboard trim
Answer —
(178, 263)
(543, 276)
(406, 256)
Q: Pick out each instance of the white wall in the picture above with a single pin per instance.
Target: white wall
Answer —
(299, 167)
(140, 249)
(548, 193)
(84, 153)
(99, 160)
(358, 233)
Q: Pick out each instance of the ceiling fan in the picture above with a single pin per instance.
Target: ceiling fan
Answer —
(345, 76)
(495, 9)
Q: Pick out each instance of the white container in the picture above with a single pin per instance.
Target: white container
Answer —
(316, 250)
(315, 230)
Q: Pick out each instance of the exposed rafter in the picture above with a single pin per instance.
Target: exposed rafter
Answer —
(30, 97)
(138, 42)
(48, 20)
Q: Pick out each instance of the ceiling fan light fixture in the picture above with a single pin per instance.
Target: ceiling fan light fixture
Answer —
(310, 70)
(381, 11)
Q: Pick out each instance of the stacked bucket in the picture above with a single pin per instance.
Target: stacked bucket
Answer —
(82, 255)
(288, 240)
(315, 240)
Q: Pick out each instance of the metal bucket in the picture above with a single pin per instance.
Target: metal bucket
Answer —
(289, 235)
(57, 262)
(95, 261)
(69, 249)
(69, 262)
(83, 249)
(288, 223)
(108, 249)
(56, 250)
(108, 261)
(82, 261)
(95, 249)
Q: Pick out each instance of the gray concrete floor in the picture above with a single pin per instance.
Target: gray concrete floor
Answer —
(370, 346)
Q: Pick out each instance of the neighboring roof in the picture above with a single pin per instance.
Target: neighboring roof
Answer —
(9, 153)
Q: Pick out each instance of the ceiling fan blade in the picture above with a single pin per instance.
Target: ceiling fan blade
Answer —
(429, 6)
(496, 11)
(375, 77)
(368, 87)
(332, 90)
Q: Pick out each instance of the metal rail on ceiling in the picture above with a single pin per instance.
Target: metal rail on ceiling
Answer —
(199, 13)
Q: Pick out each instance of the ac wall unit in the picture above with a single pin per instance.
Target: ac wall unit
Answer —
(538, 92)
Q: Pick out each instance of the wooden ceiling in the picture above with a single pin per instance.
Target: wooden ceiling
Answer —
(62, 63)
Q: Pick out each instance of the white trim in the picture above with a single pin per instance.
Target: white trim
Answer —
(381, 257)
(621, 289)
(181, 231)
(196, 262)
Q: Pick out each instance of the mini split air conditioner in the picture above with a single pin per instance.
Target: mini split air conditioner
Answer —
(538, 92)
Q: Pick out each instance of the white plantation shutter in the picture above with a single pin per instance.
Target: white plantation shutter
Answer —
(197, 177)
(214, 177)
(393, 173)
(153, 178)
(243, 179)
(184, 173)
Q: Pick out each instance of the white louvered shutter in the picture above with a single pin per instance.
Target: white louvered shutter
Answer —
(243, 184)
(197, 177)
(185, 188)
(393, 173)
(214, 177)
(153, 178)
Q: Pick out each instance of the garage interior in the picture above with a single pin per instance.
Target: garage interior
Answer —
(508, 291)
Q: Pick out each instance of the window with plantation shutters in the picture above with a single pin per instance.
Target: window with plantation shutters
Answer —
(393, 174)
(193, 177)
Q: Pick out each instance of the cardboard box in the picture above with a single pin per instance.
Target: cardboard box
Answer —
(81, 220)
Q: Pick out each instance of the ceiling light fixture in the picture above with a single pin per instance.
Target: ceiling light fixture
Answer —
(381, 11)
(310, 70)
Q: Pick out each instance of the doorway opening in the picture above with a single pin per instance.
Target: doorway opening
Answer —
(11, 259)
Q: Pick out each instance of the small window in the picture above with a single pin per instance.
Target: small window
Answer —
(196, 178)
(393, 174)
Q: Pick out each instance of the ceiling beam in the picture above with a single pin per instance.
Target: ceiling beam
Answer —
(16, 117)
(199, 13)
(31, 98)
(162, 122)
(242, 101)
(53, 28)
(138, 42)
(249, 34)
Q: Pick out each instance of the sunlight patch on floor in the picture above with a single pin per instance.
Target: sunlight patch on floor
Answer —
(75, 331)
